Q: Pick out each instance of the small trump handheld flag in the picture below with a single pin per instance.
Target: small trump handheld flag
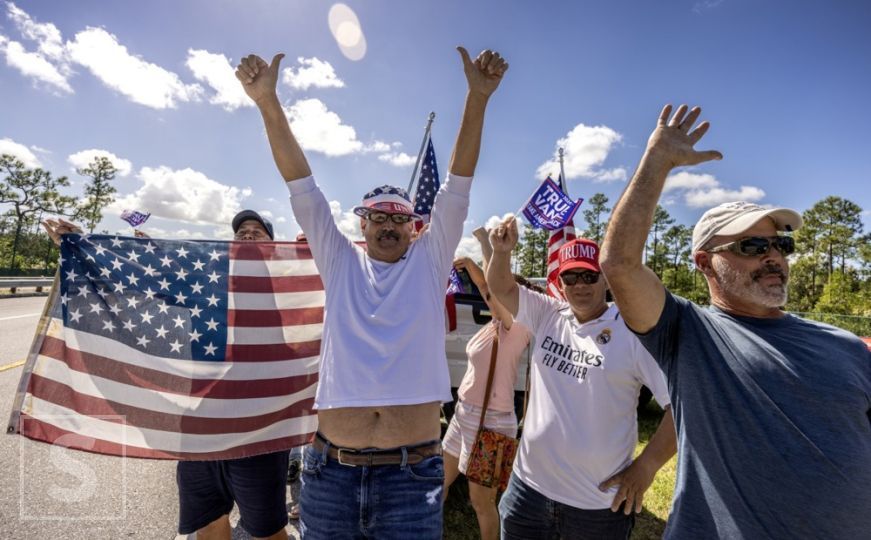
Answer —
(134, 218)
(549, 208)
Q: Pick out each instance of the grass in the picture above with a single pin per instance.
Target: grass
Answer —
(460, 522)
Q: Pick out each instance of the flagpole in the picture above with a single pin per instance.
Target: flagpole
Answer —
(420, 152)
(42, 328)
(563, 181)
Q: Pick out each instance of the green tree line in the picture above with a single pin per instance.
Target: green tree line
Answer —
(830, 272)
(27, 195)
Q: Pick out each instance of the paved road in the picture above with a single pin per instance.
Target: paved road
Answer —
(48, 491)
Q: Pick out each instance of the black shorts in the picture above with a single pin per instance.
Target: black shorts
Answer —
(207, 490)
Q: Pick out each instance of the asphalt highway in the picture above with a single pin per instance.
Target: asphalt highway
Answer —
(48, 491)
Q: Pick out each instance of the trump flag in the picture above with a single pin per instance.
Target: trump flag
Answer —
(170, 349)
(549, 208)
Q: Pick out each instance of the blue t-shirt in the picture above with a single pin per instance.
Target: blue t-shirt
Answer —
(773, 419)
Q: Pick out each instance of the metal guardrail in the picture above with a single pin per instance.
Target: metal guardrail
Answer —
(15, 283)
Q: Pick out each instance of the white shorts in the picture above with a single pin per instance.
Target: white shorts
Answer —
(463, 428)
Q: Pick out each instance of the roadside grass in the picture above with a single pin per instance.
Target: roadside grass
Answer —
(460, 522)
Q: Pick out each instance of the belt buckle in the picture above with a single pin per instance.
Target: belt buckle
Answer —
(339, 457)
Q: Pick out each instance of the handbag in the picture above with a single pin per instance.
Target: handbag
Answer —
(492, 455)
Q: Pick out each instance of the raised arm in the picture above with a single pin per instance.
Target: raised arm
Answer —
(483, 238)
(638, 292)
(483, 75)
(499, 278)
(259, 80)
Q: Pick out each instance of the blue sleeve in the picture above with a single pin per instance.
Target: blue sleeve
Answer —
(662, 340)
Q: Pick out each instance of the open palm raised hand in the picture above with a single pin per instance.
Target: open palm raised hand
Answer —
(673, 140)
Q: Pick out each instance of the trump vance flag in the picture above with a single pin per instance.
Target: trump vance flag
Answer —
(176, 349)
(555, 241)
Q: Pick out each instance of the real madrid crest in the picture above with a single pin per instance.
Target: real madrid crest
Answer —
(604, 337)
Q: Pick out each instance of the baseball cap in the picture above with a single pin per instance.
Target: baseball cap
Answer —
(579, 253)
(245, 215)
(734, 218)
(387, 199)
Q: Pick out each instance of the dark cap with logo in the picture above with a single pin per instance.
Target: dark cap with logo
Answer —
(246, 215)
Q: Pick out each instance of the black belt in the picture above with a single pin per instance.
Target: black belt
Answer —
(353, 457)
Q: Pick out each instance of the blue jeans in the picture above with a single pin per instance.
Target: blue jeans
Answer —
(527, 514)
(384, 502)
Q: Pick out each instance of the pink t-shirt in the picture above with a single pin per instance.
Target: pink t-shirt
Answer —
(511, 345)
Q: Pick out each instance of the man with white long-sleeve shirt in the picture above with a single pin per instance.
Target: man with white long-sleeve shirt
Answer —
(375, 468)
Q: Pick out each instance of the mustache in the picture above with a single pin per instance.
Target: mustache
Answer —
(767, 270)
(388, 234)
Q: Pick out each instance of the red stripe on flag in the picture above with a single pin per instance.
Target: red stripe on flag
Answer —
(153, 379)
(271, 353)
(122, 413)
(270, 251)
(279, 317)
(281, 284)
(39, 430)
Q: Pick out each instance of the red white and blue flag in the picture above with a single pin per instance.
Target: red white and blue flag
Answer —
(554, 243)
(177, 349)
(549, 208)
(428, 184)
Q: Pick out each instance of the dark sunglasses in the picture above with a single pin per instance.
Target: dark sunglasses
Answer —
(381, 217)
(753, 246)
(571, 278)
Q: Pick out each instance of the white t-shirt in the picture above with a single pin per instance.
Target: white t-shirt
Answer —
(581, 425)
(384, 323)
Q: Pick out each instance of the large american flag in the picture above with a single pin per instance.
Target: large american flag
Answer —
(428, 184)
(554, 242)
(177, 349)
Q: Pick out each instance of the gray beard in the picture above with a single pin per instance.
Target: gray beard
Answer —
(747, 287)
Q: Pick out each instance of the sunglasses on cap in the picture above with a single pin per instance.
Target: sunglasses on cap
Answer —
(571, 278)
(753, 246)
(382, 217)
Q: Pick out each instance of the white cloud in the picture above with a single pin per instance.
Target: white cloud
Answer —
(688, 180)
(469, 247)
(398, 159)
(281, 219)
(380, 146)
(8, 146)
(40, 149)
(347, 221)
(45, 34)
(312, 72)
(704, 190)
(586, 148)
(185, 195)
(143, 82)
(717, 195)
(82, 159)
(320, 130)
(216, 70)
(33, 65)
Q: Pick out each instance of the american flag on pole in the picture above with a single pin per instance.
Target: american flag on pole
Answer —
(171, 349)
(427, 185)
(554, 242)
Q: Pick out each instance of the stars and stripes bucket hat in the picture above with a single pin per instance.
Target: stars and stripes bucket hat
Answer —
(387, 199)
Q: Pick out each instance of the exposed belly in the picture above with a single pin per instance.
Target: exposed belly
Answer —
(380, 427)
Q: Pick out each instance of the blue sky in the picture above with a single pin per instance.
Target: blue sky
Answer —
(785, 85)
